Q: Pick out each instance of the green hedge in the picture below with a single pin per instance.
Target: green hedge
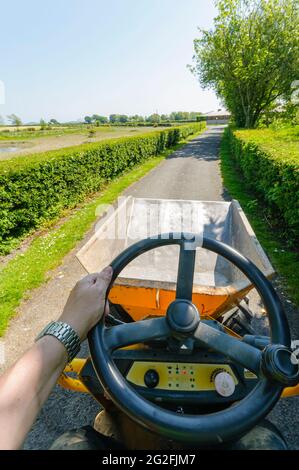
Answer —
(269, 163)
(36, 188)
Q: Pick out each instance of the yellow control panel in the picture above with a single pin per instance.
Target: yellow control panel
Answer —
(177, 376)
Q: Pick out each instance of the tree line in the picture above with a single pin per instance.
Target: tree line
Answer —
(97, 119)
(153, 118)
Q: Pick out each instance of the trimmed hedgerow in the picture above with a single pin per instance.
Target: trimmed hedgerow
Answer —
(269, 162)
(35, 189)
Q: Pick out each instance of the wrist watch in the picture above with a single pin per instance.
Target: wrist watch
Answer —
(65, 334)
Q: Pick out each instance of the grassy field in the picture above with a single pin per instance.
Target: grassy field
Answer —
(27, 142)
(284, 259)
(32, 132)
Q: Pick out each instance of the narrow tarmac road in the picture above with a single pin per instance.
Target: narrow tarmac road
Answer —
(190, 173)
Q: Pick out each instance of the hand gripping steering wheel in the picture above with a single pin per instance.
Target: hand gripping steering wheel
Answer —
(272, 366)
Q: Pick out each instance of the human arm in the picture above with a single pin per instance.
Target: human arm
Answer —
(27, 384)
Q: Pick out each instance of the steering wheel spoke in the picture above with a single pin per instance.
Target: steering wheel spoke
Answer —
(186, 271)
(137, 332)
(244, 354)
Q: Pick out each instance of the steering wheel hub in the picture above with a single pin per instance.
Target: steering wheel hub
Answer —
(182, 316)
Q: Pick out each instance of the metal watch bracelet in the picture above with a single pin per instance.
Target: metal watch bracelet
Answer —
(65, 334)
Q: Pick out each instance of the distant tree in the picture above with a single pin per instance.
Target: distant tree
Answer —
(123, 118)
(14, 120)
(42, 124)
(180, 116)
(95, 117)
(194, 116)
(54, 122)
(164, 117)
(98, 118)
(251, 56)
(136, 118)
(177, 116)
(88, 119)
(1, 120)
(154, 118)
(113, 118)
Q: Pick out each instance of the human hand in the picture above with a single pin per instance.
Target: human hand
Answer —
(86, 303)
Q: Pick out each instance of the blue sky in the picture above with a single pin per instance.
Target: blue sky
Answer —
(68, 58)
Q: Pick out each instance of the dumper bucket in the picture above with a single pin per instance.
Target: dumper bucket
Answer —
(147, 285)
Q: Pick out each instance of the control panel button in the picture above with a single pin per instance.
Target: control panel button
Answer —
(224, 384)
(151, 378)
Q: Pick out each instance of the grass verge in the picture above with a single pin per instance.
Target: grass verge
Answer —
(284, 260)
(29, 270)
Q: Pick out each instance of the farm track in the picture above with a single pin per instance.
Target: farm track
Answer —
(193, 172)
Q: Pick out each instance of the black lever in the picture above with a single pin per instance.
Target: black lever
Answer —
(277, 365)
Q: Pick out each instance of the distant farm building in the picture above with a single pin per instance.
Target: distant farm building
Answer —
(221, 116)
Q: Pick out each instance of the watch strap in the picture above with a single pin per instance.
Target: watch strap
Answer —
(65, 334)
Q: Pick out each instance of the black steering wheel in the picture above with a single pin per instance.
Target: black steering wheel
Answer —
(272, 366)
